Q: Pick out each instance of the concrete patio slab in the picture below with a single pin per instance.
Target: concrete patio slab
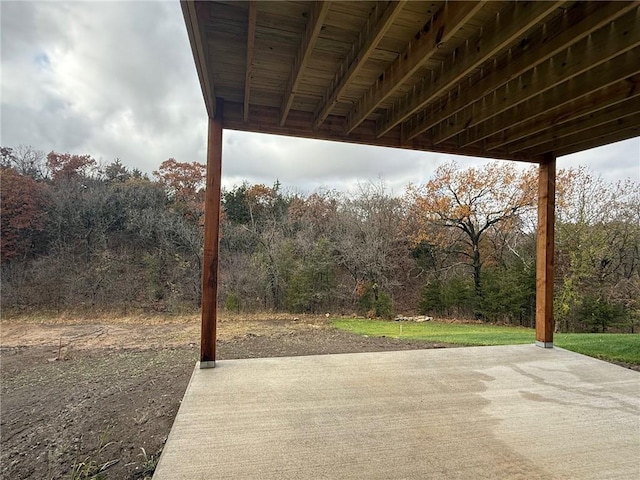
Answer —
(507, 412)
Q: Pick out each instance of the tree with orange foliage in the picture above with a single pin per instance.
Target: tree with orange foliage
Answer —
(474, 202)
(184, 183)
(67, 166)
(22, 214)
(181, 178)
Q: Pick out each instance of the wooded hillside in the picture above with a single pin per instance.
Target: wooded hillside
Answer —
(76, 234)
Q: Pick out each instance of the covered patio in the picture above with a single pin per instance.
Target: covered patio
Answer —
(523, 81)
(514, 412)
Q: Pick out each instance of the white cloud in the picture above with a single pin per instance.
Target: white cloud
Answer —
(310, 164)
(117, 79)
(613, 162)
(112, 79)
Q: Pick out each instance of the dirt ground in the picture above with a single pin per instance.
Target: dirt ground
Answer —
(88, 397)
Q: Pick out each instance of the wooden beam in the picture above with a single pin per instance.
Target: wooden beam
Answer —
(611, 134)
(542, 48)
(522, 135)
(211, 241)
(545, 251)
(444, 24)
(610, 42)
(503, 30)
(264, 119)
(579, 136)
(353, 63)
(581, 128)
(251, 36)
(609, 73)
(200, 52)
(314, 25)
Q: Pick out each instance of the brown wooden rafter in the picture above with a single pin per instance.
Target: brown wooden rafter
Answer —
(525, 73)
(352, 64)
(445, 23)
(504, 30)
(546, 139)
(539, 49)
(567, 142)
(618, 134)
(545, 113)
(314, 25)
(251, 36)
(615, 71)
(608, 47)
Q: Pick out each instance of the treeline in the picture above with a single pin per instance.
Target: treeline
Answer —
(77, 234)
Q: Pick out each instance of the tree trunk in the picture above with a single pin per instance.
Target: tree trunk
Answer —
(477, 265)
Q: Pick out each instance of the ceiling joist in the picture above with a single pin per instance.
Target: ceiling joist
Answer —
(561, 134)
(585, 56)
(600, 139)
(503, 31)
(539, 49)
(606, 74)
(251, 36)
(444, 24)
(523, 134)
(314, 25)
(498, 79)
(353, 63)
(569, 142)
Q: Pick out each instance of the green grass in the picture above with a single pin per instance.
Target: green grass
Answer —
(607, 346)
(621, 347)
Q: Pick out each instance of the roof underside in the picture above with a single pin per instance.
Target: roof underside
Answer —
(512, 80)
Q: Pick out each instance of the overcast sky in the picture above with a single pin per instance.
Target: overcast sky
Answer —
(117, 79)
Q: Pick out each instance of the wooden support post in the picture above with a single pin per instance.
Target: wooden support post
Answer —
(545, 251)
(211, 236)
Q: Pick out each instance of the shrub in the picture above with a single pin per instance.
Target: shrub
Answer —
(384, 306)
(372, 301)
(597, 314)
(232, 302)
(509, 294)
(431, 298)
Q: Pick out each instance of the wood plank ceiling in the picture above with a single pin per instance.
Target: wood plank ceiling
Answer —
(498, 79)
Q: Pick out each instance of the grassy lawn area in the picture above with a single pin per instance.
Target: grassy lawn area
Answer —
(607, 346)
